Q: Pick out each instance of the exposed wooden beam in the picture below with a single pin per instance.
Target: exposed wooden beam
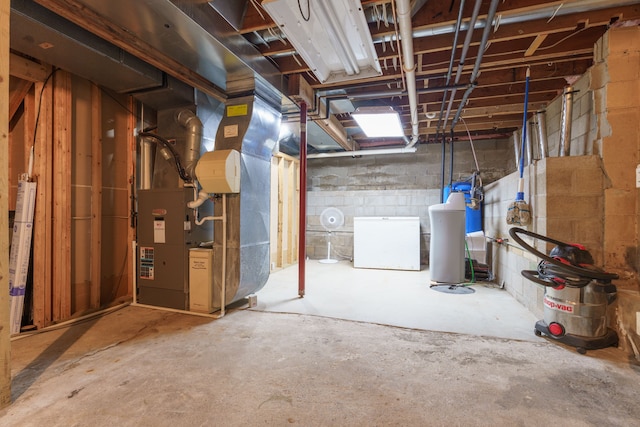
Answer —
(535, 44)
(20, 90)
(256, 19)
(27, 69)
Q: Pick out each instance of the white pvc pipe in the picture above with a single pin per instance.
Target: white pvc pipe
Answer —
(363, 153)
(406, 37)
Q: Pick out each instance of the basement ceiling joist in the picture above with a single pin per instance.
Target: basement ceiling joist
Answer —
(554, 38)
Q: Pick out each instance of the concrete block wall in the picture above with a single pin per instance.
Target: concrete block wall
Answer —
(356, 203)
(591, 199)
(583, 120)
(619, 68)
(575, 201)
(391, 185)
(567, 203)
(618, 57)
(508, 259)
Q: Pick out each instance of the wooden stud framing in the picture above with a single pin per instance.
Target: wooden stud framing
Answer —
(292, 214)
(17, 96)
(5, 344)
(131, 162)
(282, 220)
(42, 227)
(28, 70)
(284, 211)
(96, 196)
(62, 147)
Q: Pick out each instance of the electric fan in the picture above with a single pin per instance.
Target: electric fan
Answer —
(331, 219)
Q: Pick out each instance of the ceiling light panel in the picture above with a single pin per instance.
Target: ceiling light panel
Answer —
(379, 122)
(332, 36)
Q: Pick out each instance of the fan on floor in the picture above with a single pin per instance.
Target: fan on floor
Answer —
(331, 219)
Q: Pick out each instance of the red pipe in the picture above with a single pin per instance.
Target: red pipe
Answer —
(302, 236)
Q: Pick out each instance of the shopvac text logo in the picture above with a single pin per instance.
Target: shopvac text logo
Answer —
(560, 307)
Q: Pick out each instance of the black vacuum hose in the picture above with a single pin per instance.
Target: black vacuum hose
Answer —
(580, 271)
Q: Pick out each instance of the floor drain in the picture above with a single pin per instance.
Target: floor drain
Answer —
(453, 289)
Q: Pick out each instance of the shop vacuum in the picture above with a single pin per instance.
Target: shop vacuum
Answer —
(577, 294)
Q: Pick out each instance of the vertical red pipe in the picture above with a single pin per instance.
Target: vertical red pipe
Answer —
(302, 232)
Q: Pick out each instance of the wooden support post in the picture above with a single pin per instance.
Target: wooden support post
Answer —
(281, 208)
(131, 164)
(62, 144)
(42, 227)
(96, 196)
(5, 344)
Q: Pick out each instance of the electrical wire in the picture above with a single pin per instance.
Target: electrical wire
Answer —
(176, 157)
(35, 129)
(308, 10)
(473, 150)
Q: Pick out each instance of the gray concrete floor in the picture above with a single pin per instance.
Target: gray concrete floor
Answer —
(397, 298)
(282, 364)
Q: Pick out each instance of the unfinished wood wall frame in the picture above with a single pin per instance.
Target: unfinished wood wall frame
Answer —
(43, 218)
(285, 190)
(62, 141)
(84, 188)
(96, 195)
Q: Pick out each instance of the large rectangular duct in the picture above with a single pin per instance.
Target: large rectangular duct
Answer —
(41, 34)
(250, 125)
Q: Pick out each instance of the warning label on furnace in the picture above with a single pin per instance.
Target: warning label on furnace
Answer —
(146, 263)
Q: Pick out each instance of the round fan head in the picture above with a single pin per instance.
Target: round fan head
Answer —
(332, 219)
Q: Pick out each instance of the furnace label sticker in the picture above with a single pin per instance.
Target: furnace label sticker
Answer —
(159, 231)
(231, 131)
(237, 110)
(147, 263)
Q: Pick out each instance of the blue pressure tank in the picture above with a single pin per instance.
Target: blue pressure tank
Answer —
(473, 217)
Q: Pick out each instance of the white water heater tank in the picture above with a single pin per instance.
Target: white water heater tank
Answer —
(446, 250)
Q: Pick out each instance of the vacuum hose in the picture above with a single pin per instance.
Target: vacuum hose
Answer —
(582, 272)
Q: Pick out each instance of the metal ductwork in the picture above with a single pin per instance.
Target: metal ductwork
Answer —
(40, 33)
(566, 122)
(193, 127)
(250, 125)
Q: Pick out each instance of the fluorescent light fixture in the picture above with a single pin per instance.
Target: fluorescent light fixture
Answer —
(333, 39)
(378, 122)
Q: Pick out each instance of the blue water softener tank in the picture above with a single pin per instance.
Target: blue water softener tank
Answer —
(446, 250)
(473, 217)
